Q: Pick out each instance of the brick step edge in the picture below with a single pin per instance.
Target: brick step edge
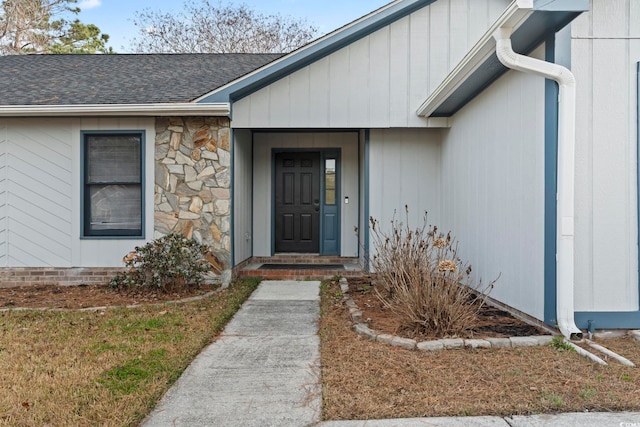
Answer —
(298, 274)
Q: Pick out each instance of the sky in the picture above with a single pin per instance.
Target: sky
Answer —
(116, 17)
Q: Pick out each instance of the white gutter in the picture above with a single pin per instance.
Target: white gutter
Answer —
(566, 148)
(584, 353)
(604, 350)
(514, 16)
(120, 110)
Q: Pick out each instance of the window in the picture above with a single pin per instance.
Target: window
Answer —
(112, 194)
(330, 181)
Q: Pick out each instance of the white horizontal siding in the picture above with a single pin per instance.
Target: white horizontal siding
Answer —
(40, 187)
(378, 81)
(493, 188)
(605, 53)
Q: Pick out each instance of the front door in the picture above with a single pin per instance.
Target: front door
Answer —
(297, 202)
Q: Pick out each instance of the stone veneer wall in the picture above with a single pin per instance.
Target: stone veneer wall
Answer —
(193, 181)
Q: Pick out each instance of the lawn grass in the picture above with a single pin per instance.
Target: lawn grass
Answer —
(370, 380)
(110, 368)
(106, 368)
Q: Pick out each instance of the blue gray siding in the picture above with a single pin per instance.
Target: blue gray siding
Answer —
(40, 188)
(493, 188)
(378, 81)
(605, 50)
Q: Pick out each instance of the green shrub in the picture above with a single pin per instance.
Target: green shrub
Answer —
(170, 262)
(421, 279)
(558, 343)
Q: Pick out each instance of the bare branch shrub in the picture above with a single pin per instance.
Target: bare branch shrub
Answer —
(206, 26)
(421, 279)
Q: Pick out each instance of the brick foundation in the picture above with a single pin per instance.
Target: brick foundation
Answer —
(32, 276)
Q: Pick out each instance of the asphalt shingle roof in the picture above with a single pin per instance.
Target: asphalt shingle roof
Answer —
(119, 79)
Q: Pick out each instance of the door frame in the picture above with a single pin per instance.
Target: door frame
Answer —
(325, 153)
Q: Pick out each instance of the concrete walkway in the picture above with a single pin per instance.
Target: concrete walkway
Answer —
(264, 370)
(582, 419)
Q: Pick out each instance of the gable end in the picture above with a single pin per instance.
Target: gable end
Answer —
(314, 51)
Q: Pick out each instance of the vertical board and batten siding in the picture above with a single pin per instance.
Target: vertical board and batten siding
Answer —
(378, 81)
(263, 145)
(493, 188)
(363, 173)
(40, 187)
(404, 170)
(605, 52)
(242, 194)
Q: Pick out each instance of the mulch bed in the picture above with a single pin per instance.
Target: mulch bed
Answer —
(490, 323)
(86, 296)
(364, 379)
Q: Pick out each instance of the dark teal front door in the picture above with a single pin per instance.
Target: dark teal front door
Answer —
(307, 202)
(297, 202)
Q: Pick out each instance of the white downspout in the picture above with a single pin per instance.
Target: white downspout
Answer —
(566, 148)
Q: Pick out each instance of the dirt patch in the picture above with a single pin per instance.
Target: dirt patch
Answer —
(85, 296)
(490, 322)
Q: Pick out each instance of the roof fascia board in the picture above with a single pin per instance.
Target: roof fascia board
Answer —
(513, 17)
(483, 52)
(120, 110)
(561, 5)
(314, 51)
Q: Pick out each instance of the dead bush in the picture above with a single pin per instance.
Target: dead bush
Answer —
(420, 277)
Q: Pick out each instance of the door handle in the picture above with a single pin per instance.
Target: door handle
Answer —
(316, 205)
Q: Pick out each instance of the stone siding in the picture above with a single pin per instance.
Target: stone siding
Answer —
(193, 181)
